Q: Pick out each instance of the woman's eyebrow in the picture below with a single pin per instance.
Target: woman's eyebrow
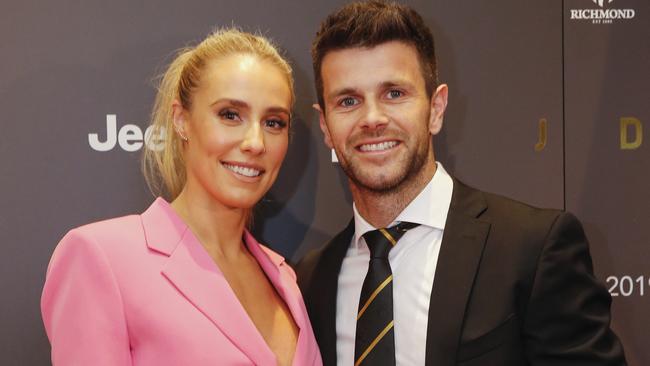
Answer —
(234, 102)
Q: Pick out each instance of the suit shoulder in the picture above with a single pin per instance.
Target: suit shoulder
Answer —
(342, 238)
(517, 212)
(515, 224)
(107, 233)
(116, 227)
(305, 267)
(333, 249)
(313, 255)
(98, 239)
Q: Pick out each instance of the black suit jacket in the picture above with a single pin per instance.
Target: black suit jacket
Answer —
(514, 285)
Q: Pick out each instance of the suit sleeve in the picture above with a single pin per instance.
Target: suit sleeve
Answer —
(82, 306)
(568, 315)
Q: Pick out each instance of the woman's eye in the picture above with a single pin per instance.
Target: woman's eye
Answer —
(276, 124)
(230, 115)
(395, 94)
(348, 102)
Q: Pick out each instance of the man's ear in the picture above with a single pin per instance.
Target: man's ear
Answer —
(438, 106)
(179, 117)
(323, 126)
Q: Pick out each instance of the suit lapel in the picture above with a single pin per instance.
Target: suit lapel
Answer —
(194, 274)
(286, 286)
(323, 292)
(270, 263)
(460, 254)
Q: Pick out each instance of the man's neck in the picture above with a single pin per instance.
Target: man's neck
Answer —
(379, 209)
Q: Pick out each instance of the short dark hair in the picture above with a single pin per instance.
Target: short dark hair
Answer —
(369, 24)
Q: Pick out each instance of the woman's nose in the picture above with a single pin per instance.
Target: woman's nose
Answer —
(253, 140)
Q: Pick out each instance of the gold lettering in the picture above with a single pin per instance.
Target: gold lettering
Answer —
(626, 144)
(541, 142)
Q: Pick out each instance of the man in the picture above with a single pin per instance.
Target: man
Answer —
(454, 275)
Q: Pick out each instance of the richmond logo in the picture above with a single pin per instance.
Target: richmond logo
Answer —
(601, 2)
(602, 16)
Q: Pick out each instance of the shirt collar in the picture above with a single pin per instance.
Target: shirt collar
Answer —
(429, 208)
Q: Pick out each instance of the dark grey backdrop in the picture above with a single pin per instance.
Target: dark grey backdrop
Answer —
(511, 66)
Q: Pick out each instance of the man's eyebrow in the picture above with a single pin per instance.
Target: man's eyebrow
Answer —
(342, 91)
(382, 85)
(394, 83)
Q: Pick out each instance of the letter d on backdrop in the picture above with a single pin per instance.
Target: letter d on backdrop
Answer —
(626, 144)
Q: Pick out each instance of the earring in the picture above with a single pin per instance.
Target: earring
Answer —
(183, 137)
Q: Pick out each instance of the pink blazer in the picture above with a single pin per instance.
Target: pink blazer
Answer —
(141, 290)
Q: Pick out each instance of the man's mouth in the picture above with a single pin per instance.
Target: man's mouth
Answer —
(243, 170)
(380, 146)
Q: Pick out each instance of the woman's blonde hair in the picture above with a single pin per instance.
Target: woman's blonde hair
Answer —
(164, 168)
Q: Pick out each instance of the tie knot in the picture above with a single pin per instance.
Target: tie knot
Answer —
(381, 241)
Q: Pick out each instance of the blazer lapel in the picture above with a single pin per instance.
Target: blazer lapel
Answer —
(460, 254)
(195, 275)
(271, 263)
(286, 286)
(323, 291)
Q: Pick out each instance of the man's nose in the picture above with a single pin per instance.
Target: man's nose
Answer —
(374, 116)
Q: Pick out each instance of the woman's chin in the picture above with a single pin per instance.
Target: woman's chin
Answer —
(242, 202)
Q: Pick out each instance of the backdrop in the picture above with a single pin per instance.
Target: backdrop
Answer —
(548, 101)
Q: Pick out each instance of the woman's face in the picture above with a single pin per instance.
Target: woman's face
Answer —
(237, 129)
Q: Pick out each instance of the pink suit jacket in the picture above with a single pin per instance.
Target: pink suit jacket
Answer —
(141, 290)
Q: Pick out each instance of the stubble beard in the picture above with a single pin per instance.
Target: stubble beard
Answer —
(384, 183)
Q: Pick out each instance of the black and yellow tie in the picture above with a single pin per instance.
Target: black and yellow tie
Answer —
(375, 337)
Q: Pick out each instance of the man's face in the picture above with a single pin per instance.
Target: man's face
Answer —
(378, 117)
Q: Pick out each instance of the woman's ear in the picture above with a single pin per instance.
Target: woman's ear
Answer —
(179, 116)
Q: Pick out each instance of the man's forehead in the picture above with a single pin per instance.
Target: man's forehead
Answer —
(371, 51)
(391, 62)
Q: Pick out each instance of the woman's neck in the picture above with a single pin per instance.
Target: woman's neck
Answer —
(218, 228)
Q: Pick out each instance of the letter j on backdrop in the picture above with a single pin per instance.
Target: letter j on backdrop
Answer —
(128, 138)
(541, 135)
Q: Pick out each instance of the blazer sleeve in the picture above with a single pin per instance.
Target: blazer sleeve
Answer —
(82, 306)
(568, 315)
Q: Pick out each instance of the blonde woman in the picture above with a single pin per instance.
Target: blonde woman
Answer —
(185, 283)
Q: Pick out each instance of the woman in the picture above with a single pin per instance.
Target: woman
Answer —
(185, 283)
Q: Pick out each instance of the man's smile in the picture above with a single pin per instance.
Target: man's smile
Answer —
(380, 146)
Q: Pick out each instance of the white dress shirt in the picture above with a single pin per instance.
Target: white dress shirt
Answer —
(413, 262)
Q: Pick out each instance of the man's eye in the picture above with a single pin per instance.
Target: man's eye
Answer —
(395, 94)
(348, 102)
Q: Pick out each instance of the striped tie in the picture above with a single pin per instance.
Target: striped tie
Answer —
(375, 337)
